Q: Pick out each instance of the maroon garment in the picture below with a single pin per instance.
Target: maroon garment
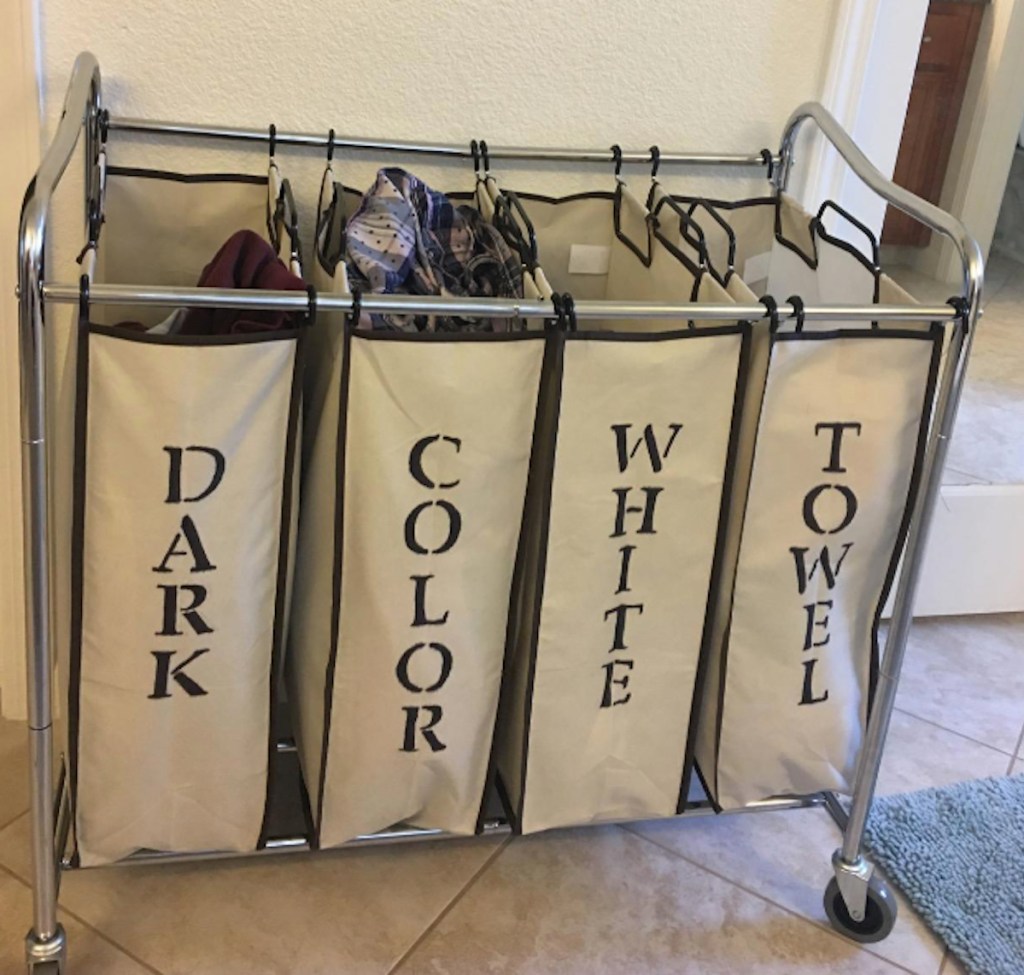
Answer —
(245, 261)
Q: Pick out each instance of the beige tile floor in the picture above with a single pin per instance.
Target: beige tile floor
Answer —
(737, 894)
(728, 895)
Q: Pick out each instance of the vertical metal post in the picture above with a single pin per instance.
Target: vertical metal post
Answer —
(913, 560)
(853, 872)
(45, 932)
(46, 941)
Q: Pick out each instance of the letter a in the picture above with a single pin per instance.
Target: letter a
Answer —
(201, 563)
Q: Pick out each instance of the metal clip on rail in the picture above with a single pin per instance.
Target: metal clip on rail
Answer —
(856, 899)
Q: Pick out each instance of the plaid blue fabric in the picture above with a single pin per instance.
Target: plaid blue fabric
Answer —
(407, 238)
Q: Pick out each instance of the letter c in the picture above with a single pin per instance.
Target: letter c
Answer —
(416, 461)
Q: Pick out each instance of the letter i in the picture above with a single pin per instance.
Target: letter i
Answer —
(627, 555)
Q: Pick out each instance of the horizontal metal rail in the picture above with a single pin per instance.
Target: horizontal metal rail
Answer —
(298, 301)
(320, 140)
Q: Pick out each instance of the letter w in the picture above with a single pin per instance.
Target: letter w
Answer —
(657, 456)
(804, 575)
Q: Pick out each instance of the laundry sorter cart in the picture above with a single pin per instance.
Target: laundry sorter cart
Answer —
(857, 900)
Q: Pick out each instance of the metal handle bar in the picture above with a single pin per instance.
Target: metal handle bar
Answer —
(852, 872)
(911, 204)
(81, 110)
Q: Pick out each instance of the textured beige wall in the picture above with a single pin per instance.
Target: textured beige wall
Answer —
(704, 74)
(19, 121)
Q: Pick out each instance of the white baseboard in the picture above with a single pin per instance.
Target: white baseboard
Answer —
(975, 558)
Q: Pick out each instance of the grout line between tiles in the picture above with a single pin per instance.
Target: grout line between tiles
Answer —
(13, 820)
(449, 907)
(977, 479)
(85, 924)
(827, 929)
(110, 941)
(995, 292)
(11, 870)
(953, 731)
(1016, 752)
(10, 873)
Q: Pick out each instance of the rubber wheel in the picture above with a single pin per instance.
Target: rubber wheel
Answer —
(879, 912)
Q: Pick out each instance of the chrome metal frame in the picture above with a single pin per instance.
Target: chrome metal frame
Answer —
(853, 872)
(447, 150)
(46, 943)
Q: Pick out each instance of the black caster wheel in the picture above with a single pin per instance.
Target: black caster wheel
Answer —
(46, 968)
(879, 912)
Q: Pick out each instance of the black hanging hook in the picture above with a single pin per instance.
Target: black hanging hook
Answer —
(798, 310)
(569, 309)
(330, 146)
(474, 148)
(104, 125)
(771, 308)
(768, 158)
(556, 323)
(272, 137)
(357, 308)
(486, 157)
(311, 309)
(94, 221)
(617, 159)
(655, 162)
(83, 298)
(962, 307)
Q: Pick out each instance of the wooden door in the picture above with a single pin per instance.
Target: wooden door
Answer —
(947, 49)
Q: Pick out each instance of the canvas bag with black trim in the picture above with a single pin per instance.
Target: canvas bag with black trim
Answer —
(620, 551)
(186, 451)
(418, 446)
(835, 474)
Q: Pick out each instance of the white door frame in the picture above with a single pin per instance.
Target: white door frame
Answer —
(20, 111)
(972, 566)
(868, 76)
(986, 135)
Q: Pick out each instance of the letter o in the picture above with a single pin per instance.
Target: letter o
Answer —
(402, 668)
(811, 520)
(454, 527)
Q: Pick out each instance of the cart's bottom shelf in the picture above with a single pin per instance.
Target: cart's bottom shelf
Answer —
(290, 827)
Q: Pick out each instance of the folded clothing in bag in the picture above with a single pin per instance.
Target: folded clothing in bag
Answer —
(244, 261)
(407, 238)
